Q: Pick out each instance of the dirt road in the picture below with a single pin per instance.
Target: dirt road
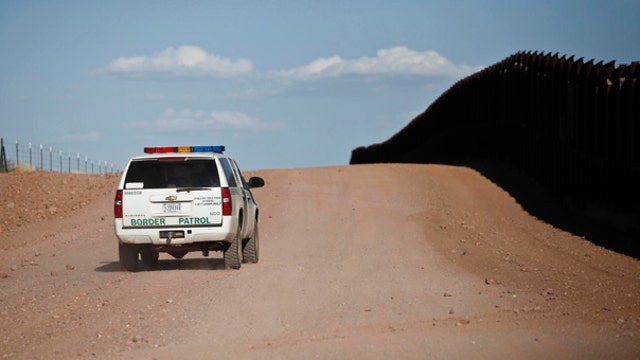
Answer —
(371, 261)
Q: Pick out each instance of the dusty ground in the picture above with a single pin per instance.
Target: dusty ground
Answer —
(370, 261)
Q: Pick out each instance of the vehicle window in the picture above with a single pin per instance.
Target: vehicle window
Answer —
(228, 172)
(239, 173)
(158, 174)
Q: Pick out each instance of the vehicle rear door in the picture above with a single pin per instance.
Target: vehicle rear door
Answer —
(172, 192)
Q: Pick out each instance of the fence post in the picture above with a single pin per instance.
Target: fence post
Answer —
(30, 157)
(41, 159)
(3, 158)
(17, 156)
(50, 158)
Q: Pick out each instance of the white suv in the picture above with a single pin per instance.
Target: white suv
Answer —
(182, 199)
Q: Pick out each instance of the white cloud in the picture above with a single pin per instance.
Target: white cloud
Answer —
(388, 70)
(193, 62)
(397, 61)
(183, 62)
(188, 120)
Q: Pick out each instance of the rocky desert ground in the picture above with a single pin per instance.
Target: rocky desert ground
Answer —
(357, 262)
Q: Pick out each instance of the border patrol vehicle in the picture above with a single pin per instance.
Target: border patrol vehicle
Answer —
(180, 199)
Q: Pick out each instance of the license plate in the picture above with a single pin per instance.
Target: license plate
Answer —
(171, 208)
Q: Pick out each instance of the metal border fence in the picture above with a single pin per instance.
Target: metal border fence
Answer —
(571, 124)
(38, 157)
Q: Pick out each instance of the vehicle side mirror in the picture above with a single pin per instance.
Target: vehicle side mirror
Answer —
(256, 182)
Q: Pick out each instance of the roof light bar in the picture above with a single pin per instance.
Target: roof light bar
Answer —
(183, 149)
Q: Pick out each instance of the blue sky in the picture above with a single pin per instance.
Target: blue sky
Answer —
(283, 84)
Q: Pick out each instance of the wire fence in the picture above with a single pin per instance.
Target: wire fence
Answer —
(30, 157)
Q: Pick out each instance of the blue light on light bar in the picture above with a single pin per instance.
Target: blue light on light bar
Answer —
(217, 149)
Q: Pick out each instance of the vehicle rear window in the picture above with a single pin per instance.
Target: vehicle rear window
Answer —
(158, 174)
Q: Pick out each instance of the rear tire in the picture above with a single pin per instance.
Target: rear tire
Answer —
(233, 253)
(251, 250)
(128, 254)
(148, 256)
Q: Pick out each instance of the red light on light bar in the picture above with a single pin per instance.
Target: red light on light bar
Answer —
(161, 149)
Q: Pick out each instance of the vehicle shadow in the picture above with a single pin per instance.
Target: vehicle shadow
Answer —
(168, 264)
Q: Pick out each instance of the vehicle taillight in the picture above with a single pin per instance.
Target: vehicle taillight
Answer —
(117, 205)
(226, 201)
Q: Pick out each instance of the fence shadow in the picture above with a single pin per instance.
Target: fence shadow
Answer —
(560, 213)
